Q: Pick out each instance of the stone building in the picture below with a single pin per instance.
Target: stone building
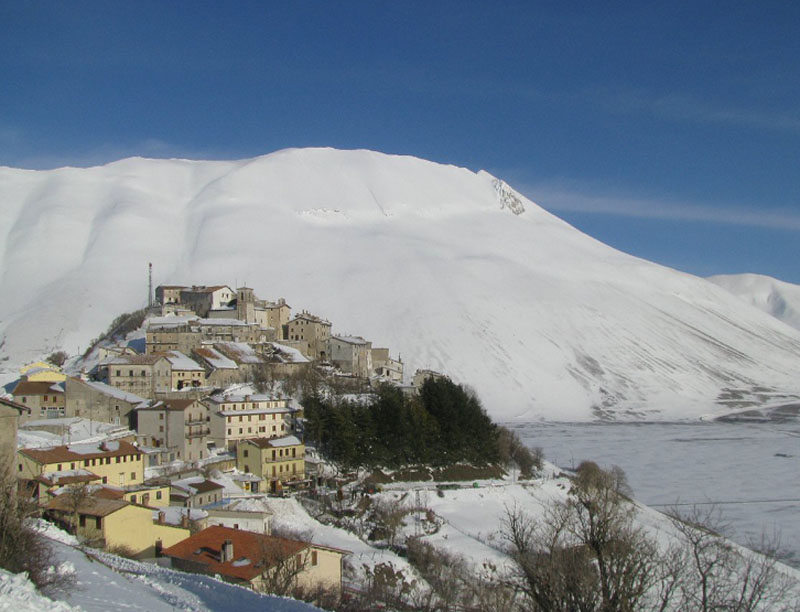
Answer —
(313, 331)
(98, 401)
(274, 315)
(44, 399)
(186, 335)
(10, 414)
(178, 426)
(220, 370)
(385, 366)
(352, 355)
(202, 299)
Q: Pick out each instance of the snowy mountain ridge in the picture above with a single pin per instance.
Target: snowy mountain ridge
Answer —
(542, 320)
(773, 296)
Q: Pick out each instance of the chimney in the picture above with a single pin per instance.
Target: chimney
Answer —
(161, 518)
(227, 551)
(185, 520)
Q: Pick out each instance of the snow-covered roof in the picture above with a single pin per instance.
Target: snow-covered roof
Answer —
(169, 321)
(215, 359)
(256, 397)
(350, 339)
(241, 352)
(222, 321)
(180, 361)
(289, 354)
(284, 441)
(113, 392)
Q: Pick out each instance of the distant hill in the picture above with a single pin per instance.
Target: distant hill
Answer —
(452, 269)
(775, 297)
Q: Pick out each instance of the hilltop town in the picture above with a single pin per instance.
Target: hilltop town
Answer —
(168, 435)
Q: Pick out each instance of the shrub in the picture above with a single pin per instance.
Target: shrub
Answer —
(23, 548)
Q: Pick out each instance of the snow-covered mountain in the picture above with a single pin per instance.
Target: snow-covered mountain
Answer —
(775, 297)
(452, 269)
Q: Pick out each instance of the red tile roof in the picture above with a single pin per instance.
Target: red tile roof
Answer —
(204, 548)
(63, 454)
(36, 387)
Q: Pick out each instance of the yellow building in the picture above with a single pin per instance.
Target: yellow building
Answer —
(248, 558)
(277, 461)
(115, 462)
(112, 523)
(41, 371)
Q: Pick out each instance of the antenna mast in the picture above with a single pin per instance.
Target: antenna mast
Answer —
(149, 285)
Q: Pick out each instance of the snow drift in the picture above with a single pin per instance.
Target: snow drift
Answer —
(452, 269)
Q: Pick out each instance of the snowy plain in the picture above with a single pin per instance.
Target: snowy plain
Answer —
(452, 269)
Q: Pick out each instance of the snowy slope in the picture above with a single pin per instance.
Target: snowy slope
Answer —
(775, 297)
(450, 268)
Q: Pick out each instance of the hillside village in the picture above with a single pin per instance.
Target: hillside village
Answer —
(166, 441)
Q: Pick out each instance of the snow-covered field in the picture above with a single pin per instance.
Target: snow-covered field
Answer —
(452, 269)
(752, 470)
(105, 583)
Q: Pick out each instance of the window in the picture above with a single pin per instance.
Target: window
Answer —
(158, 494)
(160, 416)
(245, 452)
(105, 479)
(85, 463)
(313, 557)
(117, 459)
(133, 499)
(82, 520)
(59, 467)
(133, 475)
(161, 428)
(98, 522)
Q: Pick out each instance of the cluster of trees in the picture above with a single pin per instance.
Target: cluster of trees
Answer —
(445, 424)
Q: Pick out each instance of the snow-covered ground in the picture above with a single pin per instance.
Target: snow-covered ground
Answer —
(752, 470)
(450, 268)
(468, 524)
(107, 583)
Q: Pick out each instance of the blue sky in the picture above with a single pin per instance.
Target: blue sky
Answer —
(670, 132)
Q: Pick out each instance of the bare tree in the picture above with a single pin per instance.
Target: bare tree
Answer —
(716, 574)
(23, 548)
(282, 560)
(585, 554)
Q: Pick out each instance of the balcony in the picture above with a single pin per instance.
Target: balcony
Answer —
(197, 432)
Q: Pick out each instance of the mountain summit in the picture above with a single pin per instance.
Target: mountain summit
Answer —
(453, 269)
